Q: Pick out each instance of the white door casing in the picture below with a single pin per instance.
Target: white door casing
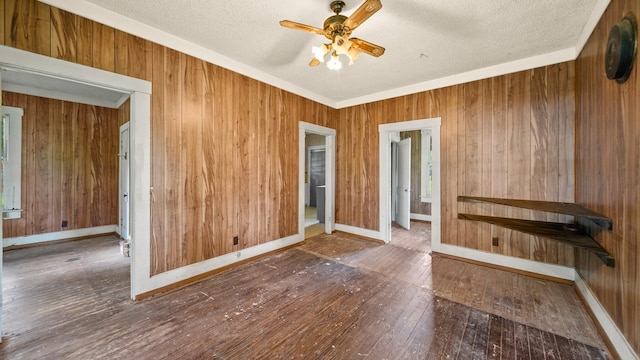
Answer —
(403, 215)
(387, 132)
(123, 183)
(139, 93)
(330, 174)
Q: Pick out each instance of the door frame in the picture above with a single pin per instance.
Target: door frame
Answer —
(400, 161)
(386, 131)
(121, 200)
(139, 92)
(330, 174)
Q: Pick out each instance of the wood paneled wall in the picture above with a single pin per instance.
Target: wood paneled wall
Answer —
(608, 173)
(224, 147)
(509, 136)
(416, 206)
(69, 166)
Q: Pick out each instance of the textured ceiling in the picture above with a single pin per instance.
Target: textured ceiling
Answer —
(425, 40)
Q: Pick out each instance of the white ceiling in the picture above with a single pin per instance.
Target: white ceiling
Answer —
(428, 43)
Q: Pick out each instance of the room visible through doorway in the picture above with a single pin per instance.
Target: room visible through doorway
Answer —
(417, 194)
(317, 180)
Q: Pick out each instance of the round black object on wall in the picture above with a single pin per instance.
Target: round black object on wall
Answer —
(621, 49)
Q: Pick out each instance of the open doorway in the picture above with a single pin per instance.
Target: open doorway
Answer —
(317, 180)
(315, 184)
(401, 181)
(418, 185)
(68, 81)
(411, 176)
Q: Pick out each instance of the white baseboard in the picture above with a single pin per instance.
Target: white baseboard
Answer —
(557, 271)
(59, 235)
(186, 272)
(617, 339)
(420, 217)
(359, 231)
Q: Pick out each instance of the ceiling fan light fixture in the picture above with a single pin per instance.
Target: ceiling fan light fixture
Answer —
(334, 63)
(337, 29)
(341, 44)
(353, 54)
(319, 52)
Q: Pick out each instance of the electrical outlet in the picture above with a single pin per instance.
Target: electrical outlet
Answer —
(235, 240)
(65, 223)
(494, 241)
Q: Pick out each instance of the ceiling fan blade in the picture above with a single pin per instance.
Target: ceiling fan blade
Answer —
(368, 8)
(303, 27)
(367, 47)
(314, 62)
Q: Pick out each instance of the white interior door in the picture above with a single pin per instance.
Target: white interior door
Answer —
(394, 179)
(403, 214)
(124, 181)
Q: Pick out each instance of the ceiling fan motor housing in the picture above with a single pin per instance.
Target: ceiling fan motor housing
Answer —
(334, 26)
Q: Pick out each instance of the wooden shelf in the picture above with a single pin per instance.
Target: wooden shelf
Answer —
(548, 206)
(551, 230)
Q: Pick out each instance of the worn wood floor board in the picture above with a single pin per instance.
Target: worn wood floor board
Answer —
(375, 320)
(397, 338)
(494, 338)
(316, 307)
(329, 298)
(542, 303)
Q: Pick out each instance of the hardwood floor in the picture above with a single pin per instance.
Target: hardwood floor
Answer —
(334, 297)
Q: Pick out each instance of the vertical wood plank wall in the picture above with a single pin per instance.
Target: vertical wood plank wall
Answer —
(224, 150)
(491, 145)
(69, 166)
(508, 136)
(608, 173)
(224, 147)
(416, 206)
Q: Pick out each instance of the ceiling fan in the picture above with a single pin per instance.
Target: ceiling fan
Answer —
(338, 28)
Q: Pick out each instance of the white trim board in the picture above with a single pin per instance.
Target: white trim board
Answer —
(556, 271)
(187, 272)
(373, 234)
(21, 89)
(128, 25)
(21, 60)
(421, 217)
(59, 235)
(617, 339)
